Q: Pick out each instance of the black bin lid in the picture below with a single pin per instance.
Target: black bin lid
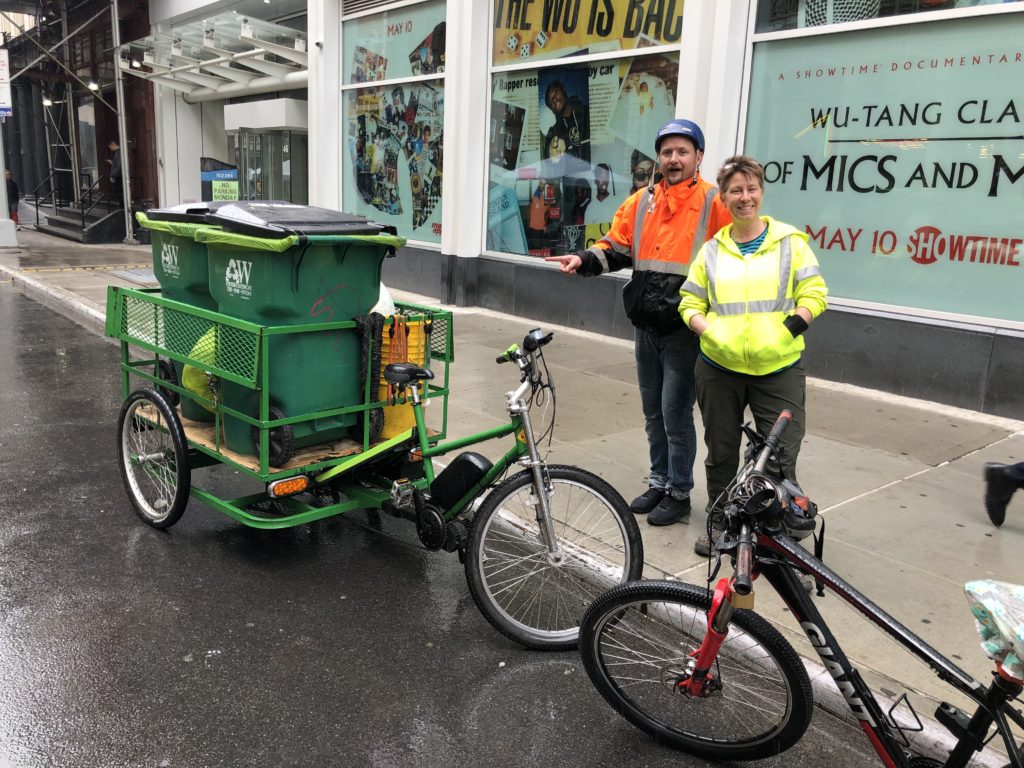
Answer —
(274, 219)
(186, 213)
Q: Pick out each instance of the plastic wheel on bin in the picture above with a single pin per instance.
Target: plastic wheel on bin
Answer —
(166, 372)
(281, 440)
(153, 457)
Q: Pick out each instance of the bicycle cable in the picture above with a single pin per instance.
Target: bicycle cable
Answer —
(541, 397)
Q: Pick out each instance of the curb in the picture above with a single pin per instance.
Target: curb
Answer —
(58, 299)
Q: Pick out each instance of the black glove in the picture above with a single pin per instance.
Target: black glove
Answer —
(795, 325)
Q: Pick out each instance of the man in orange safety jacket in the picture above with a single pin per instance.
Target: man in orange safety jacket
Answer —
(657, 232)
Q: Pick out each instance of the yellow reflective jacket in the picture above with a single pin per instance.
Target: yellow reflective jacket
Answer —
(745, 299)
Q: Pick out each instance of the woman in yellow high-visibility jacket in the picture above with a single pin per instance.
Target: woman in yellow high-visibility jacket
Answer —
(750, 294)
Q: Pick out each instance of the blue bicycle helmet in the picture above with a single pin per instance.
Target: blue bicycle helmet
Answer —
(680, 127)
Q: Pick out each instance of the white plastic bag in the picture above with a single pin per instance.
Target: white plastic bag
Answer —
(998, 610)
(385, 304)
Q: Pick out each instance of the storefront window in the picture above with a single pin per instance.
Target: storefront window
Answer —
(405, 42)
(395, 139)
(570, 142)
(898, 151)
(394, 129)
(774, 15)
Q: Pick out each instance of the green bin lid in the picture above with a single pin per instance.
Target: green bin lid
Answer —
(178, 228)
(186, 213)
(276, 219)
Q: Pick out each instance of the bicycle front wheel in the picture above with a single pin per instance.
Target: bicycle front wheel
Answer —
(537, 597)
(636, 642)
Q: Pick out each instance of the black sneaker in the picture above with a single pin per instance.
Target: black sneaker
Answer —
(705, 545)
(998, 490)
(670, 510)
(647, 501)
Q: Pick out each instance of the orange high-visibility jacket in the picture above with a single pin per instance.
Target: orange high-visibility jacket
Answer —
(657, 236)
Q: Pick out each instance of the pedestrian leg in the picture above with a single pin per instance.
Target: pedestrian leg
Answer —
(769, 396)
(649, 376)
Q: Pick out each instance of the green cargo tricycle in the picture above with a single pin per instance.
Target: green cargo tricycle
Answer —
(537, 546)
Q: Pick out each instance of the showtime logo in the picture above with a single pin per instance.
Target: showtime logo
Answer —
(238, 278)
(169, 260)
(928, 244)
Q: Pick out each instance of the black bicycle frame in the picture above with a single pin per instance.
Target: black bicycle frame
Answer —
(972, 735)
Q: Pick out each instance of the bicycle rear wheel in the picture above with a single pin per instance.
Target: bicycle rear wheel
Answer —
(524, 592)
(636, 642)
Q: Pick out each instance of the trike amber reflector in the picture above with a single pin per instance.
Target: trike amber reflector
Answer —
(287, 487)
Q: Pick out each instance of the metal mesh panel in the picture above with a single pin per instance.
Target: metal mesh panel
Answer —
(439, 341)
(207, 343)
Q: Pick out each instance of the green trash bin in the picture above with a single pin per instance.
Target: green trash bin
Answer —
(265, 269)
(181, 269)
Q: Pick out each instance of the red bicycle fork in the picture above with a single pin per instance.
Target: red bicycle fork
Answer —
(723, 605)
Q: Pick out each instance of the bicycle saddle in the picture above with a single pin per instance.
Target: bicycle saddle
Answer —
(998, 608)
(403, 373)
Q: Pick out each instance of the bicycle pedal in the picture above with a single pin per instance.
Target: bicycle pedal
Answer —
(401, 493)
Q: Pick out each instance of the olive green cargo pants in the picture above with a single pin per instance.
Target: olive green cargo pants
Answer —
(723, 396)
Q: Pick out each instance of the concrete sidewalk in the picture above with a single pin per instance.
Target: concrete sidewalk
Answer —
(898, 481)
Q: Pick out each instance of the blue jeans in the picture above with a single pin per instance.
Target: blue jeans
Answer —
(664, 370)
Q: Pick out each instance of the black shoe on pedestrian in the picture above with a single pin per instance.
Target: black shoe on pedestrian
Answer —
(647, 501)
(670, 510)
(998, 490)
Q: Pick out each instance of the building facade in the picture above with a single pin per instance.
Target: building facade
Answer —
(494, 133)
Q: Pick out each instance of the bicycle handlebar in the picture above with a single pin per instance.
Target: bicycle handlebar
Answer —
(780, 426)
(772, 441)
(508, 355)
(743, 581)
(532, 342)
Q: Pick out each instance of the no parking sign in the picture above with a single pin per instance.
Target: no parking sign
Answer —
(5, 85)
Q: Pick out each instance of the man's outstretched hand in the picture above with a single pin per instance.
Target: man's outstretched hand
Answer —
(568, 264)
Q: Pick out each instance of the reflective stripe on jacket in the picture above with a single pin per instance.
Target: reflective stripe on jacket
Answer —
(745, 299)
(658, 238)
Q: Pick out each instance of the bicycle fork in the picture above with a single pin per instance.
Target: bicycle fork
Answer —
(698, 681)
(540, 497)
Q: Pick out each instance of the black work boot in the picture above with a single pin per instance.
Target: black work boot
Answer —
(670, 510)
(705, 544)
(647, 501)
(999, 487)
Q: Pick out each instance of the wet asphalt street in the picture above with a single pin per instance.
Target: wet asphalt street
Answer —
(341, 643)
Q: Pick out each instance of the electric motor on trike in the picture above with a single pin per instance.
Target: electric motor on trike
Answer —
(323, 406)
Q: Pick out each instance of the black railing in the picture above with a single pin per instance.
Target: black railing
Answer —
(53, 193)
(90, 198)
(87, 204)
